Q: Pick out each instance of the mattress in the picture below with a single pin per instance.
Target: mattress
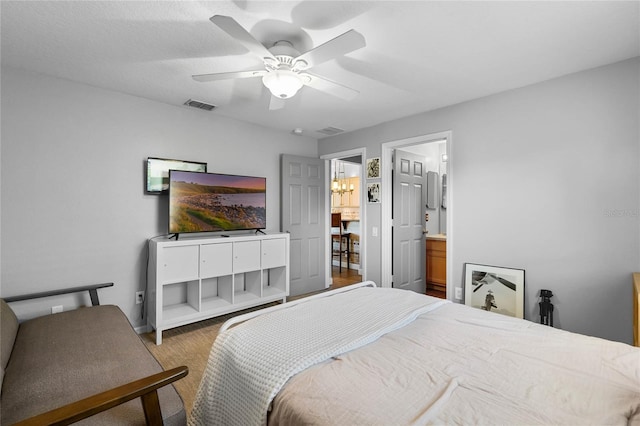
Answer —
(448, 364)
(250, 363)
(460, 365)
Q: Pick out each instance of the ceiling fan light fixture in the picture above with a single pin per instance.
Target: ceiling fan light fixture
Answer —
(282, 84)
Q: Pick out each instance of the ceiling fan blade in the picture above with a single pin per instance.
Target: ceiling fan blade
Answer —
(235, 30)
(339, 46)
(328, 86)
(228, 75)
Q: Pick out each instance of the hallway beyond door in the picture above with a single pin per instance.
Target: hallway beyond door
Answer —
(344, 278)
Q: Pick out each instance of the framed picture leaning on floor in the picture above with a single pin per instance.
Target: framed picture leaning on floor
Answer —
(494, 289)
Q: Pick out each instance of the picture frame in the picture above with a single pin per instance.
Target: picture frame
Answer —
(157, 172)
(373, 168)
(495, 289)
(373, 192)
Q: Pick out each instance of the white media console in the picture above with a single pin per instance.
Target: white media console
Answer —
(198, 278)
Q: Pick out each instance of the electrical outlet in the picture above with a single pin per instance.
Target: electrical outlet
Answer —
(458, 294)
(56, 309)
(139, 297)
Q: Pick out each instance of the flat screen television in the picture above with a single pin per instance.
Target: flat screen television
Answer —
(157, 172)
(209, 202)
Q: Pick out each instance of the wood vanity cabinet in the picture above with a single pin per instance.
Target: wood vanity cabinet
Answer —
(436, 264)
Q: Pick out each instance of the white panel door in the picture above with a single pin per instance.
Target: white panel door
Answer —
(303, 204)
(409, 179)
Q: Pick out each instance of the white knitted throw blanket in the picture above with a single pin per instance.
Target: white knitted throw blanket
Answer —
(249, 363)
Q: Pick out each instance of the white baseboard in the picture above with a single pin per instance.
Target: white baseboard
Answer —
(142, 329)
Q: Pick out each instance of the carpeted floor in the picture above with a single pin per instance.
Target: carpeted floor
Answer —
(188, 345)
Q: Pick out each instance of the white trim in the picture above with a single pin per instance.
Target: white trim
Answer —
(142, 329)
(363, 210)
(386, 207)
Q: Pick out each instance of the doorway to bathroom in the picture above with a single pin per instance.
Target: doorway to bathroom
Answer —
(422, 166)
(441, 211)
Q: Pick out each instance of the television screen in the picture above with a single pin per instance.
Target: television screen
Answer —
(204, 202)
(158, 172)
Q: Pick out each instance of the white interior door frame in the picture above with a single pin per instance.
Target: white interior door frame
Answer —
(386, 206)
(363, 211)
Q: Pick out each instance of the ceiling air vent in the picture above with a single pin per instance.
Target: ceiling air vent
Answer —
(199, 104)
(330, 131)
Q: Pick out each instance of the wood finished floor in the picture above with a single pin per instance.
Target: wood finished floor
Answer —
(350, 276)
(436, 293)
(344, 278)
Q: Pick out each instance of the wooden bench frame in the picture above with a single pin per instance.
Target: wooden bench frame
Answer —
(145, 388)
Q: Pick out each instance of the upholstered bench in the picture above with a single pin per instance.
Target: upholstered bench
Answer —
(93, 354)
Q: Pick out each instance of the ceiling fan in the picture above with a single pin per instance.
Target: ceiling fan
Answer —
(285, 69)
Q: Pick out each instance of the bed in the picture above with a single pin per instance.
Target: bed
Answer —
(376, 356)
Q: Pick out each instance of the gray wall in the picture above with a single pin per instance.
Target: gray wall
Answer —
(73, 206)
(543, 178)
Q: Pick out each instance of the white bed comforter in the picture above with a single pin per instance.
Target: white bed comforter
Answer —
(237, 389)
(458, 365)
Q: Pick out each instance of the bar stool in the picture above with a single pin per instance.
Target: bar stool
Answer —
(336, 222)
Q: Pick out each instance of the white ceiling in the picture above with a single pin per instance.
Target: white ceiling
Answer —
(420, 55)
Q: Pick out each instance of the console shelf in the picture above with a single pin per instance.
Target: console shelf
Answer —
(198, 278)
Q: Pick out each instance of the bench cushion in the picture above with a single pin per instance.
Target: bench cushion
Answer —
(61, 358)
